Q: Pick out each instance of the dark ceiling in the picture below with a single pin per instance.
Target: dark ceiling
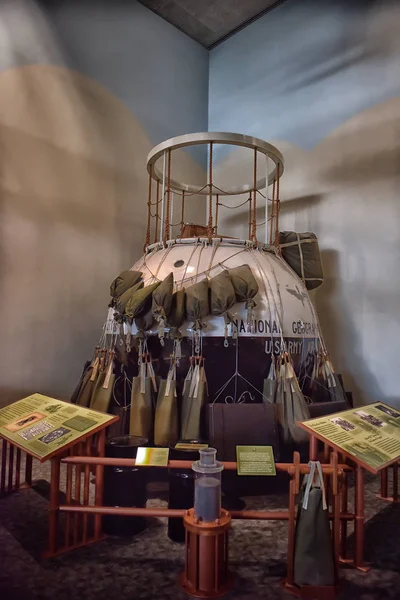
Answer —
(209, 22)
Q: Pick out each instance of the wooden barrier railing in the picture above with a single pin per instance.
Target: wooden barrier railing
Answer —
(385, 480)
(13, 462)
(334, 471)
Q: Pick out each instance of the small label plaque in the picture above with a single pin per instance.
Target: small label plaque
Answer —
(255, 460)
(152, 457)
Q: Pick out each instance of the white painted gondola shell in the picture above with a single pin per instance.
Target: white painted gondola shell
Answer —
(283, 307)
(284, 317)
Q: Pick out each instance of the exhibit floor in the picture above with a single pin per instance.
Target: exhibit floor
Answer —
(147, 566)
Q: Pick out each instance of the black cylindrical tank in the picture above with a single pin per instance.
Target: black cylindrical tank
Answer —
(124, 486)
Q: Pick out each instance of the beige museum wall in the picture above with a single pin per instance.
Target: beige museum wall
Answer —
(72, 215)
(347, 190)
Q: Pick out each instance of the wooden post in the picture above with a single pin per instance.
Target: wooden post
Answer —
(343, 522)
(10, 468)
(78, 471)
(18, 469)
(86, 484)
(336, 512)
(384, 483)
(101, 440)
(54, 505)
(294, 487)
(68, 516)
(313, 448)
(3, 467)
(359, 520)
(395, 482)
(327, 479)
(28, 469)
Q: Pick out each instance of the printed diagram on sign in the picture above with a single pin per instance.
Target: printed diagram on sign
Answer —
(25, 421)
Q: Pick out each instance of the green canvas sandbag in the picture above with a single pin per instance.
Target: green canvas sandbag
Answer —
(291, 404)
(141, 418)
(314, 562)
(244, 283)
(194, 398)
(162, 298)
(86, 390)
(197, 302)
(123, 282)
(270, 383)
(121, 302)
(75, 394)
(139, 302)
(177, 313)
(166, 417)
(101, 396)
(222, 293)
(145, 321)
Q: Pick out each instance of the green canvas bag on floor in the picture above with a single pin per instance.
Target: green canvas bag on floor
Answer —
(314, 562)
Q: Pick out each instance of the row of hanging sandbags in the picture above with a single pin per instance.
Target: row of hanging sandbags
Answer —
(154, 408)
(282, 387)
(95, 387)
(133, 301)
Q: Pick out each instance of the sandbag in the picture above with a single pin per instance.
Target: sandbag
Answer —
(141, 418)
(291, 404)
(145, 321)
(123, 282)
(222, 293)
(102, 391)
(194, 398)
(270, 383)
(121, 302)
(78, 387)
(177, 313)
(166, 417)
(314, 562)
(301, 252)
(197, 302)
(244, 283)
(162, 297)
(140, 301)
(86, 389)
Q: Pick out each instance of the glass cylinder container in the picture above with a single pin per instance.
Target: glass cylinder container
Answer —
(207, 487)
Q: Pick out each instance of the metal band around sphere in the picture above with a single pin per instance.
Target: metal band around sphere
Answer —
(230, 139)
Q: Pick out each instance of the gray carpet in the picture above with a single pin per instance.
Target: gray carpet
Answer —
(148, 565)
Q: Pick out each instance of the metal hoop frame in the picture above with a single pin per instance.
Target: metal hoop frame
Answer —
(230, 139)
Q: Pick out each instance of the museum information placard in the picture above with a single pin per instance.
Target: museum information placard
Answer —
(370, 434)
(152, 457)
(41, 425)
(255, 460)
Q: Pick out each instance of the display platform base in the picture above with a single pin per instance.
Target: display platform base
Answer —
(349, 562)
(62, 551)
(222, 591)
(312, 592)
(388, 499)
